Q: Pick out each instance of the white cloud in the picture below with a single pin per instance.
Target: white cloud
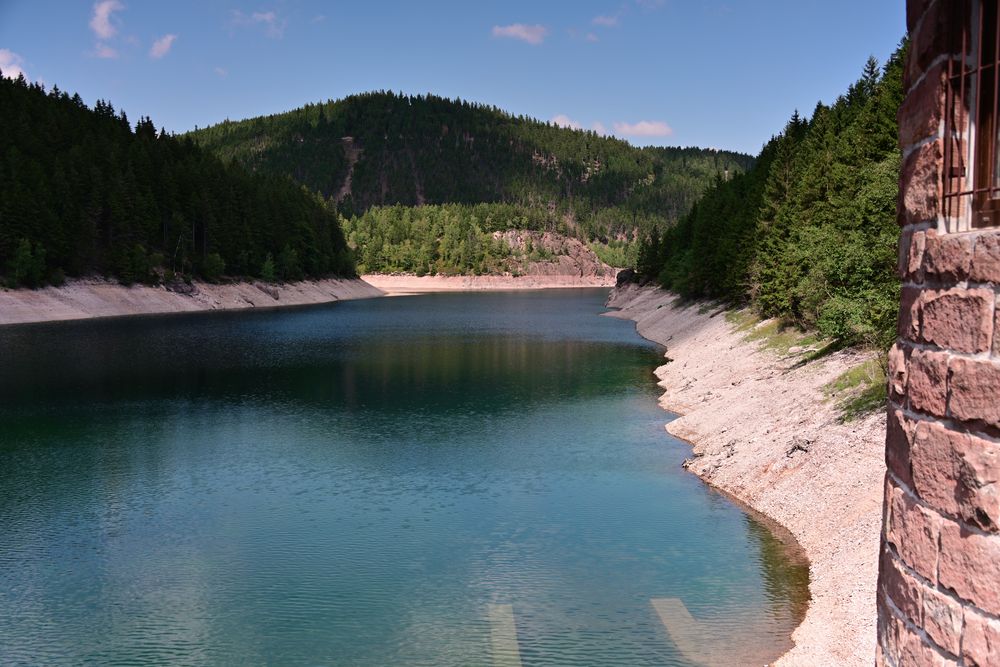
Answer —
(10, 64)
(274, 25)
(102, 50)
(221, 72)
(606, 21)
(591, 37)
(598, 127)
(644, 128)
(161, 47)
(100, 22)
(532, 34)
(562, 120)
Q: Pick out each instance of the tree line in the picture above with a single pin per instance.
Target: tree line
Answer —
(808, 234)
(424, 149)
(84, 191)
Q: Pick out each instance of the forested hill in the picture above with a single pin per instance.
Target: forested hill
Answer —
(84, 191)
(386, 149)
(809, 233)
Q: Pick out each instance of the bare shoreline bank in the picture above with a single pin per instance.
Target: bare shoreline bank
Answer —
(744, 409)
(94, 297)
(88, 298)
(402, 285)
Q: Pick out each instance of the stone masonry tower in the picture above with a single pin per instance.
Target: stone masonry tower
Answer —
(939, 574)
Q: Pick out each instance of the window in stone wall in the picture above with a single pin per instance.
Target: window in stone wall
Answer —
(972, 150)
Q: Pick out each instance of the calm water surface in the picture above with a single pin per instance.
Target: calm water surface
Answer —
(363, 483)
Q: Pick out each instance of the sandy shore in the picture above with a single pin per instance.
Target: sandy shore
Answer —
(398, 285)
(95, 297)
(87, 298)
(743, 408)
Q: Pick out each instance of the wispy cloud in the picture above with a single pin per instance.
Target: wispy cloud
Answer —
(101, 22)
(650, 4)
(273, 24)
(10, 64)
(161, 47)
(606, 21)
(562, 120)
(532, 34)
(102, 50)
(644, 128)
(591, 37)
(319, 18)
(598, 127)
(221, 72)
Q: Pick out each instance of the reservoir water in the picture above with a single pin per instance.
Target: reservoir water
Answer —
(451, 479)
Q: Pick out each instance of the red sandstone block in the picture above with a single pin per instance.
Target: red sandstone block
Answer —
(904, 591)
(957, 319)
(898, 443)
(920, 184)
(913, 651)
(986, 259)
(915, 257)
(908, 323)
(914, 10)
(934, 470)
(897, 371)
(947, 258)
(970, 565)
(920, 114)
(981, 642)
(996, 328)
(927, 383)
(903, 252)
(978, 473)
(975, 390)
(929, 39)
(957, 473)
(913, 530)
(942, 620)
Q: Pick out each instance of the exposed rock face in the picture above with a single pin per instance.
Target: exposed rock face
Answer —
(550, 254)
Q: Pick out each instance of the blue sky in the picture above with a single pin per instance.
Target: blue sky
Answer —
(720, 73)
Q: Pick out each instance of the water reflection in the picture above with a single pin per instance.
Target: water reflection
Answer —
(359, 484)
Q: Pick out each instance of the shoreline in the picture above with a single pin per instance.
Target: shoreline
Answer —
(742, 409)
(90, 298)
(404, 285)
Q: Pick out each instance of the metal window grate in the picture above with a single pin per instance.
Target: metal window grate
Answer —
(971, 173)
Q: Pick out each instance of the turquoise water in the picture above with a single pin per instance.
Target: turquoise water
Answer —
(363, 483)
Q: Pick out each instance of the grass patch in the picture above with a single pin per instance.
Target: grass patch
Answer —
(860, 390)
(743, 319)
(780, 337)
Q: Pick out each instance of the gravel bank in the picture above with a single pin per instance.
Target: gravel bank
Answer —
(398, 285)
(744, 409)
(86, 298)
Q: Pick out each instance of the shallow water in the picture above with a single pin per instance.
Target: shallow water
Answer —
(383, 482)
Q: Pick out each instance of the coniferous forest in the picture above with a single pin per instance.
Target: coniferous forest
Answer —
(387, 149)
(805, 231)
(809, 233)
(86, 191)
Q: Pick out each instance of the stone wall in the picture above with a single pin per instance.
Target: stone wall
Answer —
(939, 575)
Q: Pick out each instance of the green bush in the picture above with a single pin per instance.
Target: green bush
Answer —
(27, 267)
(267, 270)
(214, 267)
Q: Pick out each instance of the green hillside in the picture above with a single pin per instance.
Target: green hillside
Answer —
(379, 149)
(809, 233)
(83, 191)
